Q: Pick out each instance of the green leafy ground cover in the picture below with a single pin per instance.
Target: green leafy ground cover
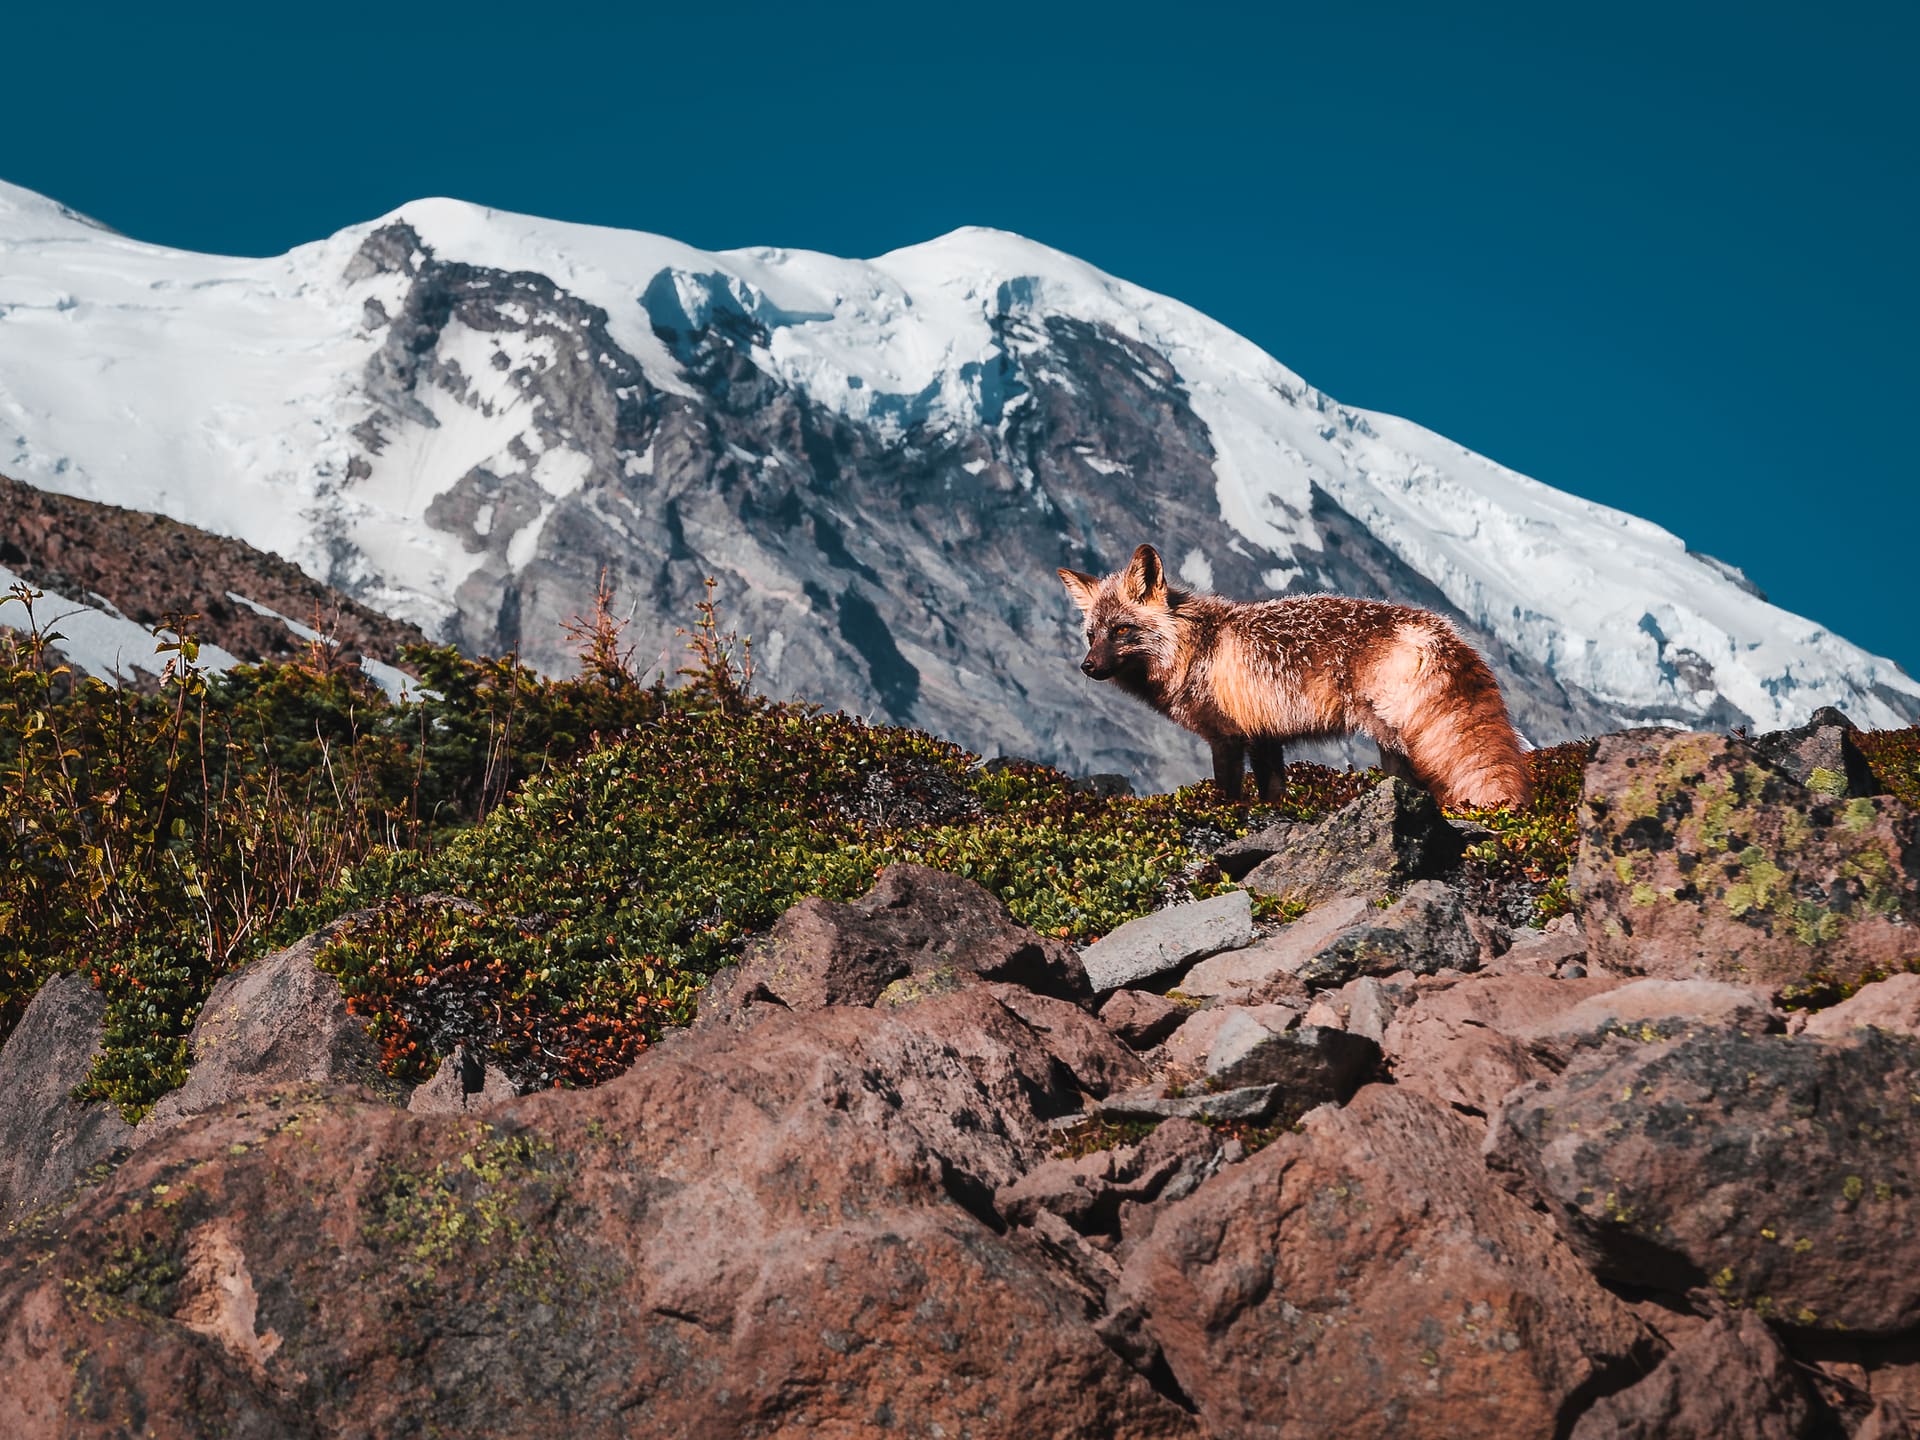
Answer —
(548, 870)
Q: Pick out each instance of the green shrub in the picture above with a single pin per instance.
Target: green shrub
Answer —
(1894, 757)
(1531, 849)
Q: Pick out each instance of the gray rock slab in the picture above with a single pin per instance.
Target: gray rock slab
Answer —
(1256, 1104)
(1375, 846)
(1244, 974)
(48, 1139)
(1168, 939)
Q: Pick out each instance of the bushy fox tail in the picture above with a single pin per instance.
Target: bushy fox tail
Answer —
(1441, 700)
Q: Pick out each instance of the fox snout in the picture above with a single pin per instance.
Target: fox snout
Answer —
(1097, 668)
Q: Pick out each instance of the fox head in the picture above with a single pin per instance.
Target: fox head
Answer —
(1129, 618)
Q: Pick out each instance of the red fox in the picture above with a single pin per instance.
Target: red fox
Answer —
(1255, 675)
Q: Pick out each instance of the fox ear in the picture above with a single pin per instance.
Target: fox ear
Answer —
(1144, 579)
(1080, 587)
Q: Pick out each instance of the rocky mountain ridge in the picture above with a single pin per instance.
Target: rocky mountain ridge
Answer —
(109, 576)
(463, 418)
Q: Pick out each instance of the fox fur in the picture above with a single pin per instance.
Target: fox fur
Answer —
(1252, 676)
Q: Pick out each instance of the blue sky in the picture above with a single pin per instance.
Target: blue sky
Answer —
(1659, 256)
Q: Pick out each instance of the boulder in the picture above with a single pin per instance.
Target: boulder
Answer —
(1820, 755)
(916, 924)
(1469, 1041)
(1142, 1019)
(1779, 1171)
(765, 1230)
(1373, 847)
(1096, 1059)
(1426, 931)
(278, 1020)
(1256, 1074)
(1890, 1004)
(1366, 1277)
(1731, 1378)
(1270, 967)
(1697, 858)
(48, 1139)
(1168, 939)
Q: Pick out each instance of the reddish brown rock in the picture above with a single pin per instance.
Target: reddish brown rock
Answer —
(1779, 1171)
(764, 1231)
(1092, 1054)
(1699, 859)
(276, 1021)
(915, 923)
(1142, 1019)
(1890, 1004)
(1730, 1379)
(1367, 1278)
(1469, 1040)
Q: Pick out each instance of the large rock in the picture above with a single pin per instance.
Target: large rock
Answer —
(1367, 1278)
(1270, 967)
(48, 1139)
(1375, 846)
(278, 1020)
(1820, 754)
(1141, 1018)
(1468, 1041)
(1168, 939)
(777, 1229)
(916, 924)
(1890, 1004)
(1730, 1379)
(1698, 858)
(1426, 931)
(1780, 1171)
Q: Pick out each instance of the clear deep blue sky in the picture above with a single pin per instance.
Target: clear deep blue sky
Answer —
(1662, 256)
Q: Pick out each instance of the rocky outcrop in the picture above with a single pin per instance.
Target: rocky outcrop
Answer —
(786, 1225)
(1378, 845)
(144, 566)
(1697, 858)
(1385, 1169)
(1367, 1277)
(48, 1139)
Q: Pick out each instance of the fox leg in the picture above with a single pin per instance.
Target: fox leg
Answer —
(1229, 766)
(1269, 769)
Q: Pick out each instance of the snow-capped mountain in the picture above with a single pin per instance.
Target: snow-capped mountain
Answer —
(461, 416)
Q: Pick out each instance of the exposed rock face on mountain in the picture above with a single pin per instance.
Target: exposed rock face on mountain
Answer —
(906, 1172)
(463, 418)
(108, 576)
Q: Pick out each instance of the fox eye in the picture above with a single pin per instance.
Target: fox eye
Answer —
(1121, 632)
